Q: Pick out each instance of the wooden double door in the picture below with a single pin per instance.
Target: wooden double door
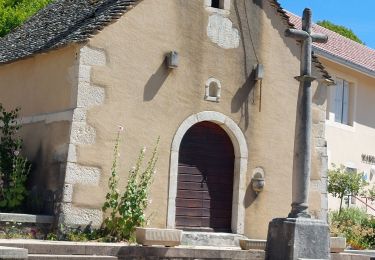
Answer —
(205, 179)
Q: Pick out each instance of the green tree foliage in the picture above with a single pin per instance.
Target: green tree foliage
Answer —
(15, 12)
(342, 30)
(343, 182)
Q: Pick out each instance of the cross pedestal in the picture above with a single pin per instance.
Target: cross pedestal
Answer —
(299, 236)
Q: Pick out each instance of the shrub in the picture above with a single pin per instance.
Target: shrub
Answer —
(127, 211)
(356, 225)
(14, 169)
(343, 182)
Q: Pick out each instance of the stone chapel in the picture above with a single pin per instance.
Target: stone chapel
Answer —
(215, 79)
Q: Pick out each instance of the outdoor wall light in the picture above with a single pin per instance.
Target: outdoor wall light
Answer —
(172, 60)
(259, 71)
(257, 181)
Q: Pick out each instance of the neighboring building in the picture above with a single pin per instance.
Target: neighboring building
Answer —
(77, 74)
(350, 121)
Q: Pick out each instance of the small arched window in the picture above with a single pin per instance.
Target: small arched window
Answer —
(215, 3)
(212, 90)
(218, 4)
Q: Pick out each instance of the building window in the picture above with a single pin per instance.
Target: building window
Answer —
(215, 3)
(218, 4)
(341, 104)
(212, 90)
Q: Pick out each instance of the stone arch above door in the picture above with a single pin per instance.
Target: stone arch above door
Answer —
(240, 165)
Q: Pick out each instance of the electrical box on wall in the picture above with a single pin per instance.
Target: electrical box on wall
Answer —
(259, 71)
(172, 60)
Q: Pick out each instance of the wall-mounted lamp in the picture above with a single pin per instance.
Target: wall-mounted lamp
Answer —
(259, 71)
(172, 60)
(257, 181)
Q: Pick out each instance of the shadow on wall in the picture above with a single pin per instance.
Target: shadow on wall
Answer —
(240, 101)
(250, 41)
(156, 81)
(250, 196)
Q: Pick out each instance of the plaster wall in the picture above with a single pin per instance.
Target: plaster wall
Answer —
(43, 87)
(347, 143)
(41, 84)
(149, 100)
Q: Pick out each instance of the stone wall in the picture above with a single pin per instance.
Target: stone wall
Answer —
(82, 134)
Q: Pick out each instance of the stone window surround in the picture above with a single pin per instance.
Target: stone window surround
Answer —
(224, 3)
(209, 84)
(240, 166)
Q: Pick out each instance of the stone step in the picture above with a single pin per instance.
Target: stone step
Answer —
(188, 253)
(12, 253)
(63, 247)
(91, 250)
(67, 257)
(211, 239)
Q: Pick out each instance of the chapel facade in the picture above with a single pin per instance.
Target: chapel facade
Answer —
(213, 79)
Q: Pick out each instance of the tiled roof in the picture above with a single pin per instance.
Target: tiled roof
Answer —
(286, 17)
(74, 21)
(343, 49)
(60, 23)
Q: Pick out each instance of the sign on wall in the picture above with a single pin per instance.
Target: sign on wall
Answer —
(369, 159)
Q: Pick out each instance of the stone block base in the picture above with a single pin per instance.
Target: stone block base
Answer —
(12, 253)
(211, 239)
(156, 236)
(338, 244)
(248, 244)
(297, 238)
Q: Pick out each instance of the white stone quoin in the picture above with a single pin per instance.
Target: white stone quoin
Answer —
(157, 236)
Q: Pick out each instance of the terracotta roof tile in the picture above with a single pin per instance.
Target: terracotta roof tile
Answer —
(341, 47)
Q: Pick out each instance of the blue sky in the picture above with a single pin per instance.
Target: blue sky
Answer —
(356, 15)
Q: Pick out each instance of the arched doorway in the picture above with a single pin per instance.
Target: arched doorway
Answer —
(240, 165)
(205, 179)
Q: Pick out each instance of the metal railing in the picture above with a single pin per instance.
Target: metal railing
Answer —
(365, 203)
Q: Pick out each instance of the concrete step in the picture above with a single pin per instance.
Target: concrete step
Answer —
(91, 250)
(12, 253)
(211, 239)
(188, 253)
(64, 248)
(67, 257)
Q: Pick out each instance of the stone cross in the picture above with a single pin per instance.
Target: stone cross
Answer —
(302, 145)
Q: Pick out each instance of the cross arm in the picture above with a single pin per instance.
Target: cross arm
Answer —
(296, 34)
(320, 38)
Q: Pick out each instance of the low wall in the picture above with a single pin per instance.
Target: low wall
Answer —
(25, 226)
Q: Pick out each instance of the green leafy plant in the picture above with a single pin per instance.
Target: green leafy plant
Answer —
(15, 230)
(14, 169)
(76, 234)
(342, 181)
(127, 211)
(356, 225)
(15, 12)
(369, 193)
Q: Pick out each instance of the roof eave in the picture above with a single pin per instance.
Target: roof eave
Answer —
(325, 54)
